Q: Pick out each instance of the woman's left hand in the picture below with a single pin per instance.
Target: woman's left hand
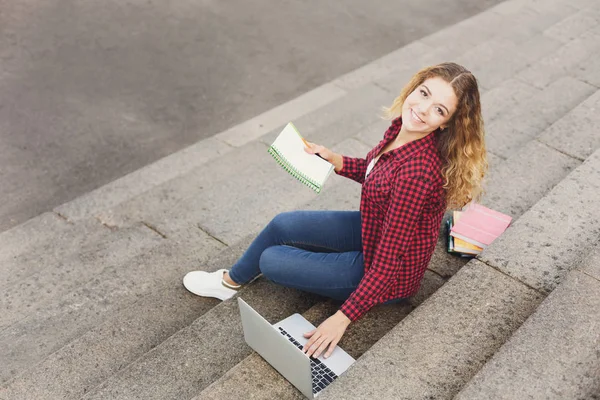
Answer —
(328, 333)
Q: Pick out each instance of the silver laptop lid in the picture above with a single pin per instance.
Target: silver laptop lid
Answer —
(266, 340)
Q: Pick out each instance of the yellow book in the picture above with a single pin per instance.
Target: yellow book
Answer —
(461, 245)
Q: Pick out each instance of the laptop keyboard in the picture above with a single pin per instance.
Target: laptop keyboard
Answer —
(322, 376)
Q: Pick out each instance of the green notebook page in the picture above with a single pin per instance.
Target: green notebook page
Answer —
(288, 151)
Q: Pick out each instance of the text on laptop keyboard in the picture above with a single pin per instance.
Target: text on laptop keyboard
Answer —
(321, 374)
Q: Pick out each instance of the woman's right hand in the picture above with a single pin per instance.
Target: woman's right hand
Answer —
(325, 153)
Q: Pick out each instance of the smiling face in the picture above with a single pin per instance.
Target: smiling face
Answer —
(429, 107)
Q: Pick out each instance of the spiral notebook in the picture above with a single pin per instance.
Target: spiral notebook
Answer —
(288, 151)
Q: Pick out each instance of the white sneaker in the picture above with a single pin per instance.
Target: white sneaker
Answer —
(209, 284)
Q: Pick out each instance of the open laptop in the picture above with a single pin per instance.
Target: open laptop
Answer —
(280, 345)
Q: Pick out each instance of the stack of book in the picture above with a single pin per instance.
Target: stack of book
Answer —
(473, 229)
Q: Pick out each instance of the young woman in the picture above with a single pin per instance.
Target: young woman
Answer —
(431, 158)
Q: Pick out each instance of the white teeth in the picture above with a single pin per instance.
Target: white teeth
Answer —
(415, 116)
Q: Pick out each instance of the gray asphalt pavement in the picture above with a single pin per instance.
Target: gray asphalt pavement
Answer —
(92, 90)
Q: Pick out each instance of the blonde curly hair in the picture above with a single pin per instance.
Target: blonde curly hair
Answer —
(462, 143)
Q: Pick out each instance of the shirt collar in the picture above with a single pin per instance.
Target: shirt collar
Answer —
(410, 149)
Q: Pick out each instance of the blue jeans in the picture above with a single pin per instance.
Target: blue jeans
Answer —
(315, 251)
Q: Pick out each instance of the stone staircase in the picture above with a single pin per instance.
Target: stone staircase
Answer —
(552, 354)
(92, 301)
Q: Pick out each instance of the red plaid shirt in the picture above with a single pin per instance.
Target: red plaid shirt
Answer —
(402, 204)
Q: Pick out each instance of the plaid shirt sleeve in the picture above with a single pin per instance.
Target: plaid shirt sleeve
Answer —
(409, 196)
(354, 168)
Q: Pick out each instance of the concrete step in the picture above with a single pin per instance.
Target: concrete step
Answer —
(525, 121)
(91, 249)
(499, 43)
(147, 185)
(555, 354)
(580, 36)
(444, 342)
(17, 240)
(29, 247)
(587, 71)
(203, 351)
(31, 339)
(193, 156)
(154, 314)
(571, 135)
(568, 216)
(232, 197)
(204, 196)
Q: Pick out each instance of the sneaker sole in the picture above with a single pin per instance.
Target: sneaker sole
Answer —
(207, 293)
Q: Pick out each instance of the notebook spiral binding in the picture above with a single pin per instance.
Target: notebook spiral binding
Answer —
(291, 170)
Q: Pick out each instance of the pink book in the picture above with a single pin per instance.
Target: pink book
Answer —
(479, 225)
